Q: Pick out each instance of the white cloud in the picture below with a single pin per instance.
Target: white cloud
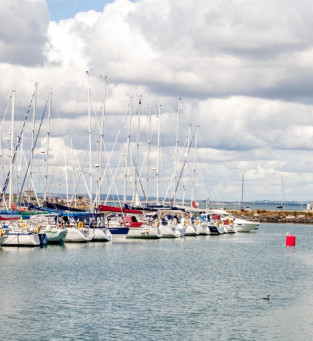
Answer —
(243, 69)
(23, 28)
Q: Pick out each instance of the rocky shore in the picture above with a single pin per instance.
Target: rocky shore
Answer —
(264, 216)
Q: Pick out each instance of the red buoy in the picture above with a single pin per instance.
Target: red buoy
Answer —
(290, 240)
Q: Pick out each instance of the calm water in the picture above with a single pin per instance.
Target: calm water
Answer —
(202, 288)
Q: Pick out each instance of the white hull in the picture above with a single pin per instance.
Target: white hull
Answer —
(242, 225)
(192, 230)
(182, 229)
(169, 231)
(230, 228)
(78, 235)
(2, 239)
(145, 232)
(19, 238)
(101, 234)
(204, 229)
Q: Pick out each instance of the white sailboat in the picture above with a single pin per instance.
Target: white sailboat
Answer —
(78, 235)
(191, 228)
(243, 225)
(100, 233)
(50, 225)
(20, 235)
(76, 232)
(171, 228)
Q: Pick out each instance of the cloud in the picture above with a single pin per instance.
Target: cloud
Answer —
(23, 29)
(242, 68)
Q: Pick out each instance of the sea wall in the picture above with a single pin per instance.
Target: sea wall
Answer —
(264, 216)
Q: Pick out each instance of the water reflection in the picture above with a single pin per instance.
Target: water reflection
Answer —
(191, 288)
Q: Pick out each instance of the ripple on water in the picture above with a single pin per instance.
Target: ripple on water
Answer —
(203, 288)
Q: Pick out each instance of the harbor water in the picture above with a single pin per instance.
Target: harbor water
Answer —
(192, 288)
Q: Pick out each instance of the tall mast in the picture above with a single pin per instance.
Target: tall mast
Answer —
(90, 141)
(193, 197)
(32, 145)
(176, 158)
(101, 141)
(137, 153)
(12, 152)
(158, 158)
(184, 186)
(66, 176)
(128, 147)
(148, 156)
(47, 148)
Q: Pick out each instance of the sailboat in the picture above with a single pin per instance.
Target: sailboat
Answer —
(20, 235)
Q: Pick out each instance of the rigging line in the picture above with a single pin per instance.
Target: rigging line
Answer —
(81, 172)
(138, 177)
(31, 180)
(173, 174)
(185, 161)
(76, 181)
(111, 154)
(33, 148)
(113, 180)
(5, 185)
(6, 110)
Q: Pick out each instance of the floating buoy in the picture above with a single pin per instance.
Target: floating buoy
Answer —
(290, 239)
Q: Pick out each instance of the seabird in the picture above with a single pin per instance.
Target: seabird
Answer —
(267, 297)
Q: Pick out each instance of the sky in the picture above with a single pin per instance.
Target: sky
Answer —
(241, 70)
(66, 9)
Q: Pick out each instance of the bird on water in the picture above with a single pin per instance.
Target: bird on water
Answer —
(267, 297)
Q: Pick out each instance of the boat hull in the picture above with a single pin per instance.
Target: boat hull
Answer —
(192, 230)
(144, 232)
(78, 235)
(2, 239)
(204, 230)
(216, 230)
(100, 234)
(119, 232)
(56, 235)
(170, 232)
(242, 225)
(21, 239)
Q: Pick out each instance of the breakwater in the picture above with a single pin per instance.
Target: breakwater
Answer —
(266, 216)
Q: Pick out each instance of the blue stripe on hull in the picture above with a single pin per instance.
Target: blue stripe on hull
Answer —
(119, 230)
(213, 229)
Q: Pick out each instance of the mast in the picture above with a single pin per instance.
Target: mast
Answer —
(148, 156)
(128, 147)
(176, 158)
(101, 142)
(185, 179)
(158, 159)
(47, 148)
(12, 151)
(66, 176)
(90, 141)
(32, 145)
(137, 154)
(193, 196)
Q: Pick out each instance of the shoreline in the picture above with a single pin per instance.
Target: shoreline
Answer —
(266, 216)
